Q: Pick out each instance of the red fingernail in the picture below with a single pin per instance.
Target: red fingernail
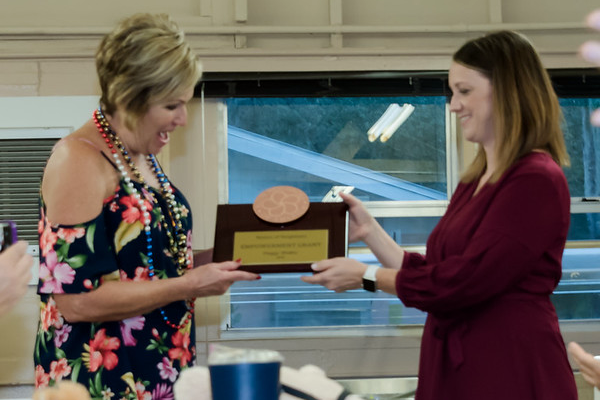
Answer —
(258, 277)
(239, 260)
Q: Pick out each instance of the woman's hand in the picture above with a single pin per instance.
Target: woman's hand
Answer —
(214, 279)
(338, 274)
(15, 274)
(117, 300)
(588, 365)
(361, 222)
(363, 227)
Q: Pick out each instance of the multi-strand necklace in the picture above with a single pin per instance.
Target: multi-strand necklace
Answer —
(176, 235)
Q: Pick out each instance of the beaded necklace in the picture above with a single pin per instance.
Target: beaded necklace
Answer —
(175, 232)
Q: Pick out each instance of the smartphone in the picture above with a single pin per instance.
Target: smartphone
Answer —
(333, 196)
(8, 234)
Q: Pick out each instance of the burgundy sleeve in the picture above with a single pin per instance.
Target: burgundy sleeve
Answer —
(527, 218)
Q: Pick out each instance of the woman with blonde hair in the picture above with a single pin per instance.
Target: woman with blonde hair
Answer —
(117, 278)
(495, 257)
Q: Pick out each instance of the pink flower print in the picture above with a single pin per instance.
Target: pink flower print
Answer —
(70, 234)
(189, 253)
(42, 379)
(166, 370)
(59, 369)
(142, 274)
(62, 335)
(162, 391)
(55, 274)
(123, 275)
(133, 213)
(43, 221)
(189, 258)
(50, 316)
(129, 324)
(47, 240)
(148, 195)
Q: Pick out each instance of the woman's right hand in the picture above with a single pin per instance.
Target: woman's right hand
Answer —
(361, 222)
(363, 227)
(338, 274)
(213, 279)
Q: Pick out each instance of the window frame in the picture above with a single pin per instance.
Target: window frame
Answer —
(379, 209)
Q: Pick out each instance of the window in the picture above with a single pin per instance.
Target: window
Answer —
(318, 142)
(315, 141)
(577, 295)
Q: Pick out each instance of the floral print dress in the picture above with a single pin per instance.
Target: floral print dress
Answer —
(136, 358)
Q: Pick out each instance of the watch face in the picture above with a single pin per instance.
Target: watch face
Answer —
(369, 285)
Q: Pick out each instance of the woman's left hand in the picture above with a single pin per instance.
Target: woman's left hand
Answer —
(213, 279)
(338, 274)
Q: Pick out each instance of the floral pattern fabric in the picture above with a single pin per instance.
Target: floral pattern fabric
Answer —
(136, 358)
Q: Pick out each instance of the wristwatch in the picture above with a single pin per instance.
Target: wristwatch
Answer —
(369, 279)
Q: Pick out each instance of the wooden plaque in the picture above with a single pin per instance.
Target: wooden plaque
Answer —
(321, 232)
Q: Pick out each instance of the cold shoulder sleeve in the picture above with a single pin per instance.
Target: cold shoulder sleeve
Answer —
(516, 245)
(75, 259)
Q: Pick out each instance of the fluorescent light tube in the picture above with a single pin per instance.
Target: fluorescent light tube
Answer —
(392, 112)
(393, 126)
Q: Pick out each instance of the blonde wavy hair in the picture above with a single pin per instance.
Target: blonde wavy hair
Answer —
(527, 114)
(144, 60)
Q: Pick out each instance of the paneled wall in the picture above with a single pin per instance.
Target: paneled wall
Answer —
(47, 48)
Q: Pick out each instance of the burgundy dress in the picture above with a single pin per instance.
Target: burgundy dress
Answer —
(492, 263)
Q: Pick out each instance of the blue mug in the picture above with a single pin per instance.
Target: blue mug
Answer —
(245, 381)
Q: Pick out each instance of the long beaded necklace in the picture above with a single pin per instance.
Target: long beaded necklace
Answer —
(177, 239)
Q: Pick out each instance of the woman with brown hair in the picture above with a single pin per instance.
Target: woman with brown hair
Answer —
(495, 257)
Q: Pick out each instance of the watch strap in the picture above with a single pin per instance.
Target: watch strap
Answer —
(369, 279)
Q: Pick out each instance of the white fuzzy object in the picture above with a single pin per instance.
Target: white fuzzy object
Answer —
(313, 381)
(194, 384)
(64, 390)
